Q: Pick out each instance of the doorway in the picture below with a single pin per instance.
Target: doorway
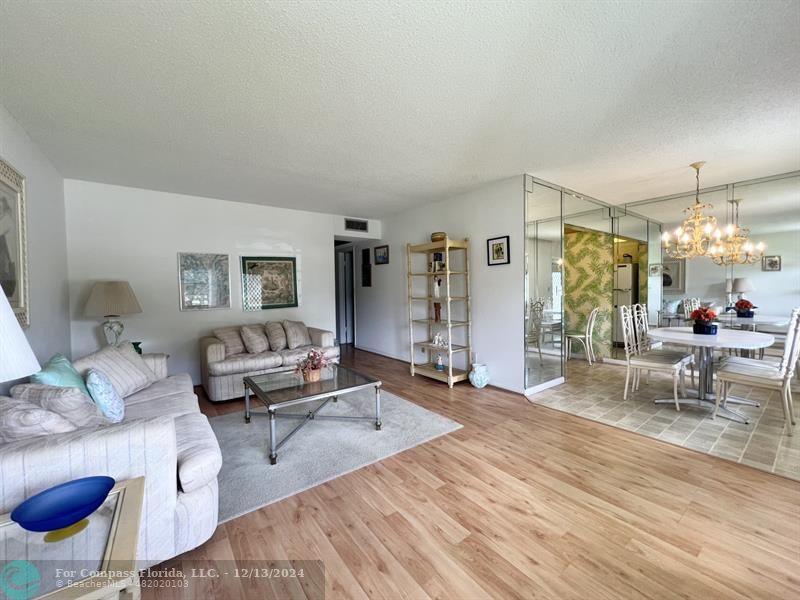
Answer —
(345, 295)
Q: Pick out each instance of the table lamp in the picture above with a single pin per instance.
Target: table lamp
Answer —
(729, 292)
(112, 300)
(742, 285)
(18, 359)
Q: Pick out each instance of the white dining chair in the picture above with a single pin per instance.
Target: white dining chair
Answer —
(585, 338)
(645, 344)
(535, 332)
(763, 376)
(638, 360)
(689, 306)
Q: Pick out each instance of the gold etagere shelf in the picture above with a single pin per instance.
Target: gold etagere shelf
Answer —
(450, 374)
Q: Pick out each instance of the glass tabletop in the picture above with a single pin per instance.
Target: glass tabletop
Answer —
(280, 388)
(79, 549)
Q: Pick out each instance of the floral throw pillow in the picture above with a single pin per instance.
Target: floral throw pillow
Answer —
(105, 396)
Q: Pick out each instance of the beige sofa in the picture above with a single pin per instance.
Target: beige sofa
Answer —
(225, 361)
(163, 437)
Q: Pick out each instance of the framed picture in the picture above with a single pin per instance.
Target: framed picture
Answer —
(13, 242)
(771, 263)
(497, 251)
(268, 282)
(673, 276)
(204, 281)
(381, 255)
(366, 268)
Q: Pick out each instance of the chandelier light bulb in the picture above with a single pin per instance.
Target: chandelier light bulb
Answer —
(760, 246)
(665, 236)
(679, 232)
(708, 228)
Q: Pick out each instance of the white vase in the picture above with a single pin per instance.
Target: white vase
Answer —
(479, 375)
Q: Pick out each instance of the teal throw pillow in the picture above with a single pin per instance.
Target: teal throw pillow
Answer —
(59, 372)
(105, 396)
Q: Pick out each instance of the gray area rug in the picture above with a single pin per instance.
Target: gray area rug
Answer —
(321, 451)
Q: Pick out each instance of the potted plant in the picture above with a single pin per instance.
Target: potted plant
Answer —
(311, 365)
(703, 318)
(744, 308)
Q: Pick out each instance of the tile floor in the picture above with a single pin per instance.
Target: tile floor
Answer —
(596, 393)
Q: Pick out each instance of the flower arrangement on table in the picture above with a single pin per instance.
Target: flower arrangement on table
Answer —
(311, 365)
(744, 308)
(703, 318)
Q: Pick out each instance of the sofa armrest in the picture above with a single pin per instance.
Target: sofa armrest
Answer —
(137, 448)
(157, 363)
(199, 456)
(321, 337)
(212, 349)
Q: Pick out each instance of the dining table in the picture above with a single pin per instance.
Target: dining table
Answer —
(704, 345)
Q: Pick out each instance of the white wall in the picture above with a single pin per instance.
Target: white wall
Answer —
(47, 260)
(126, 233)
(776, 293)
(497, 292)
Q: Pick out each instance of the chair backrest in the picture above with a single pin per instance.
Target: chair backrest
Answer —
(641, 327)
(590, 322)
(628, 333)
(689, 305)
(536, 316)
(791, 349)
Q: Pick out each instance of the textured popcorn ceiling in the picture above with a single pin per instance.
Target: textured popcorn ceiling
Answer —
(366, 108)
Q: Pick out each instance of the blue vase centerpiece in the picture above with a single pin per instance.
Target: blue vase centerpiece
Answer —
(479, 375)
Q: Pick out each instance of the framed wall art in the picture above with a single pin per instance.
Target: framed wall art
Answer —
(269, 282)
(673, 276)
(771, 263)
(366, 268)
(497, 251)
(381, 255)
(13, 242)
(204, 281)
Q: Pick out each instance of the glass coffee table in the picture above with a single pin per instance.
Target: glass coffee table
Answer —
(282, 390)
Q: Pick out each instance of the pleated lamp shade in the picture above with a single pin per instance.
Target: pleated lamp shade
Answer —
(16, 357)
(111, 299)
(742, 285)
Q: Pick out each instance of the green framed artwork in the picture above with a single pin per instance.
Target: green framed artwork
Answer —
(269, 282)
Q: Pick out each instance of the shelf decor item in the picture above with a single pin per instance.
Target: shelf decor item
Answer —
(744, 308)
(438, 236)
(704, 321)
(311, 366)
(63, 505)
(479, 376)
(439, 309)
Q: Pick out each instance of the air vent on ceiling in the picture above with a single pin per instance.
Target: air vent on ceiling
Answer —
(356, 225)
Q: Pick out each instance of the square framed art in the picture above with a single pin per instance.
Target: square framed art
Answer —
(381, 255)
(498, 251)
(269, 282)
(204, 281)
(771, 263)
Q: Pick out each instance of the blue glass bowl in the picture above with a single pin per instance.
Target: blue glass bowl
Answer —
(63, 505)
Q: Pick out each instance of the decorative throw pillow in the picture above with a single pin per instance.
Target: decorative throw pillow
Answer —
(71, 403)
(231, 338)
(296, 334)
(125, 377)
(129, 352)
(20, 420)
(105, 395)
(276, 335)
(254, 339)
(61, 373)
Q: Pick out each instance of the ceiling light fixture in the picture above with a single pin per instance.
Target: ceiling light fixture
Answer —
(736, 248)
(698, 234)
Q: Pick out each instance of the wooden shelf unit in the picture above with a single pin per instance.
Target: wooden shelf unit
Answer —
(451, 374)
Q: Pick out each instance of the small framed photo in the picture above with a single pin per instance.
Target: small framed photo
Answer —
(771, 263)
(655, 270)
(497, 251)
(381, 255)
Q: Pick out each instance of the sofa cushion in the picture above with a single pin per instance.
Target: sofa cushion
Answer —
(58, 371)
(105, 396)
(173, 385)
(276, 335)
(124, 375)
(232, 339)
(254, 338)
(71, 403)
(21, 419)
(242, 363)
(296, 334)
(170, 406)
(128, 351)
(199, 456)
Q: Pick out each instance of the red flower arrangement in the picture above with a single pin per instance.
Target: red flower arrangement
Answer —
(744, 304)
(703, 314)
(311, 365)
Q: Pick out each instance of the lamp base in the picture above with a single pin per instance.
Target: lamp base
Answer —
(113, 331)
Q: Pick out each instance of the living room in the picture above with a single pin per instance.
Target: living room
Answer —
(175, 179)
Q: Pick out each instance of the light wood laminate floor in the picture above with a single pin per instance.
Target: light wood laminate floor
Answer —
(525, 502)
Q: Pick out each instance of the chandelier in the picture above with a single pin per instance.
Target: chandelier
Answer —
(736, 248)
(698, 234)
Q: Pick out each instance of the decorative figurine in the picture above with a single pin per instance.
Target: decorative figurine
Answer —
(437, 306)
(439, 363)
